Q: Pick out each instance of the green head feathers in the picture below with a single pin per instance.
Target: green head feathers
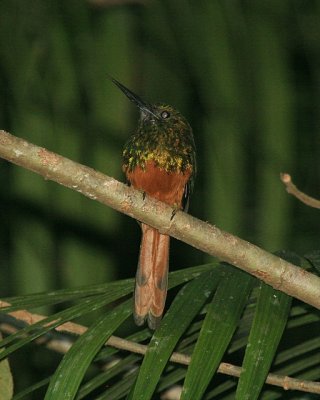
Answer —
(163, 136)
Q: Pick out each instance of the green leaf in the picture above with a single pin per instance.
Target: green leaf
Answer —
(217, 330)
(47, 324)
(69, 374)
(120, 388)
(311, 346)
(270, 319)
(302, 315)
(184, 308)
(120, 288)
(30, 389)
(101, 379)
(175, 375)
(137, 337)
(96, 300)
(186, 274)
(222, 388)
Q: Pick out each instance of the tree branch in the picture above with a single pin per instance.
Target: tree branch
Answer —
(276, 272)
(292, 189)
(122, 344)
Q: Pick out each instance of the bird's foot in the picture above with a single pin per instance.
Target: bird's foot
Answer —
(175, 209)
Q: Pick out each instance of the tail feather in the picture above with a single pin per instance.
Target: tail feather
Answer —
(152, 277)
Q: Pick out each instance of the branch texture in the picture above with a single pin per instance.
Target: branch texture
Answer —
(276, 272)
(292, 189)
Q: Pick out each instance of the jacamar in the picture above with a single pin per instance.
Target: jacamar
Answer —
(160, 160)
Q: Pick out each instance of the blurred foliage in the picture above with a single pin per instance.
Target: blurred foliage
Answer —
(246, 75)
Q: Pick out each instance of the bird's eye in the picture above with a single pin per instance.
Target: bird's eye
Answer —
(165, 114)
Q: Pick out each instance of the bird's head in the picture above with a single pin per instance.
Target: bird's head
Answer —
(160, 116)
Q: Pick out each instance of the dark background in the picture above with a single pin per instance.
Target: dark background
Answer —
(245, 74)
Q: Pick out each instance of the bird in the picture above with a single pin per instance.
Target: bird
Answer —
(159, 159)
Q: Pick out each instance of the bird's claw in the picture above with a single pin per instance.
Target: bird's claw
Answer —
(174, 211)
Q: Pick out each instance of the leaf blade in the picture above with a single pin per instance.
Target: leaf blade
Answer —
(270, 318)
(185, 306)
(217, 330)
(69, 374)
(39, 328)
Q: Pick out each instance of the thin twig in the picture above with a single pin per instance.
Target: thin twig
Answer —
(292, 189)
(273, 270)
(285, 382)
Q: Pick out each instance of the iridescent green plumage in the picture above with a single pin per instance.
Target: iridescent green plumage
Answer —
(164, 137)
(159, 160)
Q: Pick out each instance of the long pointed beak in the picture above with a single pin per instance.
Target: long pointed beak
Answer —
(144, 107)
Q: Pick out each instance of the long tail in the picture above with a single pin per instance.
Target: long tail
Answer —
(152, 277)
